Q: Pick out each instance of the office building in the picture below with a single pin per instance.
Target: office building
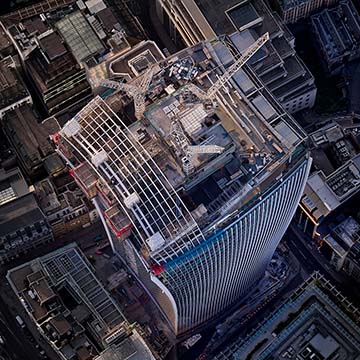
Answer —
(13, 92)
(335, 178)
(6, 47)
(80, 37)
(292, 11)
(23, 226)
(315, 322)
(135, 61)
(338, 33)
(72, 310)
(58, 80)
(64, 204)
(12, 184)
(242, 22)
(192, 192)
(342, 245)
(28, 138)
(126, 62)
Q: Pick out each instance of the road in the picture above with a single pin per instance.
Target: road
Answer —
(311, 261)
(16, 346)
(307, 260)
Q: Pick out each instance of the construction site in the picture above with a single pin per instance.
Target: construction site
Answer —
(176, 154)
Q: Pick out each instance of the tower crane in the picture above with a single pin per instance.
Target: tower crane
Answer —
(230, 72)
(176, 130)
(190, 150)
(136, 90)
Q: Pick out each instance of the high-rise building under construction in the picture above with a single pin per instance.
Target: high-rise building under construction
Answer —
(196, 192)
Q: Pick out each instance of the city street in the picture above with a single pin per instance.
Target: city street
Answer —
(311, 261)
(16, 346)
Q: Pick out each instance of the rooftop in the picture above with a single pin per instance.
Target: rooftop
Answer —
(229, 156)
(11, 87)
(32, 135)
(89, 29)
(132, 348)
(12, 185)
(19, 213)
(136, 60)
(315, 322)
(63, 296)
(52, 45)
(244, 22)
(79, 36)
(338, 31)
(343, 236)
(336, 155)
(4, 40)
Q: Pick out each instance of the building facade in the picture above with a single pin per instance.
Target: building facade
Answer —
(23, 228)
(279, 67)
(337, 32)
(91, 325)
(335, 180)
(198, 230)
(315, 321)
(13, 92)
(294, 10)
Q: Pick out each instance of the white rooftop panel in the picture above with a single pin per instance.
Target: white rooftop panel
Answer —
(243, 81)
(263, 106)
(95, 6)
(155, 241)
(322, 190)
(285, 131)
(98, 158)
(71, 128)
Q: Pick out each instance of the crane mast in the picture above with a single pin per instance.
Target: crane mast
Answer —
(237, 65)
(210, 93)
(136, 90)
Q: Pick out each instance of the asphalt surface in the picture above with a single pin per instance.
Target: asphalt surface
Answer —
(17, 346)
(307, 260)
(311, 261)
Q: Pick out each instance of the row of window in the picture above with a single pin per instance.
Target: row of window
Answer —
(298, 104)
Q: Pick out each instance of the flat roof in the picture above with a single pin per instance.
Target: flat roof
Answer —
(53, 46)
(132, 348)
(11, 87)
(33, 136)
(314, 314)
(147, 51)
(80, 37)
(19, 213)
(12, 185)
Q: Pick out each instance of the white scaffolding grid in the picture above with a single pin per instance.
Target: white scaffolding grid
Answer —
(128, 169)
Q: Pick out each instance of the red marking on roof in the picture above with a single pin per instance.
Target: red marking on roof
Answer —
(157, 269)
(55, 138)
